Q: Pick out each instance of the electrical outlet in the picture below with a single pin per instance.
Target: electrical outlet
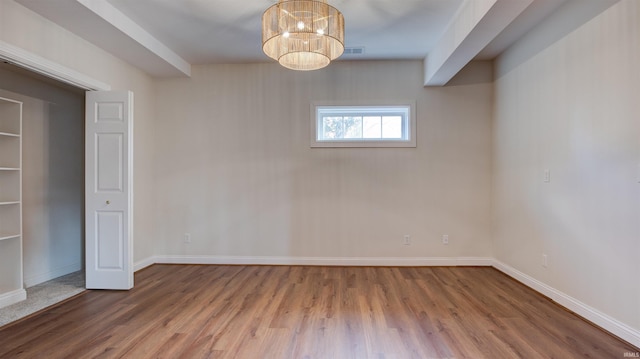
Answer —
(406, 240)
(445, 239)
(547, 175)
(545, 260)
(187, 238)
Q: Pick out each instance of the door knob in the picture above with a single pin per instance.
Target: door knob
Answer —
(108, 202)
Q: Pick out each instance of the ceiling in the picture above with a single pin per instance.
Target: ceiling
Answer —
(205, 31)
(166, 37)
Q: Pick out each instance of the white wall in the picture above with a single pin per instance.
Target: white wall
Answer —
(236, 171)
(52, 175)
(23, 28)
(573, 108)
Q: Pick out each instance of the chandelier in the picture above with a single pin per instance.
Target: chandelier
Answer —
(303, 34)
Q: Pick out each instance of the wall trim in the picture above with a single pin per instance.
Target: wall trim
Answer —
(32, 62)
(325, 261)
(144, 263)
(12, 297)
(52, 274)
(593, 315)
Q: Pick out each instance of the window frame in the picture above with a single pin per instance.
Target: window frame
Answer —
(364, 109)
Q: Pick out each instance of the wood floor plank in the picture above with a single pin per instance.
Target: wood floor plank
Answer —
(190, 311)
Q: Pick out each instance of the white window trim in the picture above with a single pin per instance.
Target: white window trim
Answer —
(411, 130)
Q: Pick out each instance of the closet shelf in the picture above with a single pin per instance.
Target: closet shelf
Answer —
(10, 200)
(8, 203)
(8, 236)
(9, 134)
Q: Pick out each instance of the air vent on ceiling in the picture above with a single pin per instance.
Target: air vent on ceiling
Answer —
(354, 50)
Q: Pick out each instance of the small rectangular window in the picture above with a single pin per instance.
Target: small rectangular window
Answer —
(363, 126)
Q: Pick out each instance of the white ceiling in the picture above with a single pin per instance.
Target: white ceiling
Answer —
(166, 37)
(206, 31)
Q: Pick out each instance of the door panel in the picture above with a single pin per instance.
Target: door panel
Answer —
(109, 159)
(110, 238)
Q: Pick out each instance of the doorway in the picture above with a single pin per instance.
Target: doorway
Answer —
(53, 173)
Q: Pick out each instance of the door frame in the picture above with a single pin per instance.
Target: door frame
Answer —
(38, 64)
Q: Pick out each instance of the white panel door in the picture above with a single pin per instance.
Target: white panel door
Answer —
(109, 190)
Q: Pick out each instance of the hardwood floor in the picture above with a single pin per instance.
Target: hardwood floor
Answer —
(190, 311)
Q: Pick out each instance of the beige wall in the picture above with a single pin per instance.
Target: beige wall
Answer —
(573, 108)
(23, 28)
(236, 171)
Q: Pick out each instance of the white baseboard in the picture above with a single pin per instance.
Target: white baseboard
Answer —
(593, 315)
(12, 297)
(52, 274)
(144, 263)
(324, 261)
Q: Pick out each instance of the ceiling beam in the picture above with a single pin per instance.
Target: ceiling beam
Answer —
(101, 24)
(475, 24)
(128, 27)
